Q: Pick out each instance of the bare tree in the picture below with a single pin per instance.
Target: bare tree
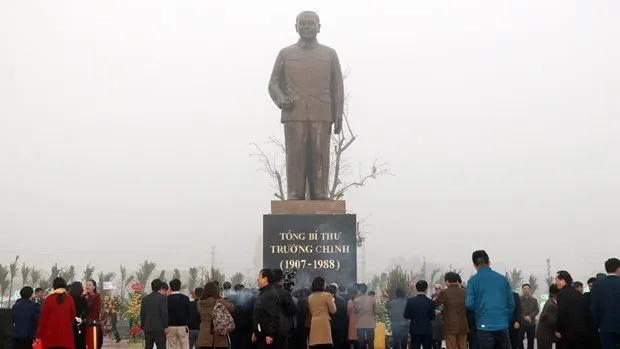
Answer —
(176, 274)
(13, 268)
(192, 282)
(4, 282)
(145, 271)
(25, 273)
(217, 275)
(125, 280)
(45, 284)
(435, 276)
(204, 275)
(423, 274)
(549, 279)
(342, 178)
(515, 278)
(35, 277)
(398, 279)
(89, 271)
(455, 270)
(162, 275)
(54, 273)
(533, 281)
(379, 282)
(68, 273)
(237, 279)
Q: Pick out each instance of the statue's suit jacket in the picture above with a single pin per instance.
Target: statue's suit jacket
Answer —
(310, 74)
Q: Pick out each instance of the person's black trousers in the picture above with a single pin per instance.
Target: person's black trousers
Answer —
(158, 338)
(514, 336)
(424, 341)
(530, 333)
(22, 343)
(399, 337)
(240, 339)
(339, 338)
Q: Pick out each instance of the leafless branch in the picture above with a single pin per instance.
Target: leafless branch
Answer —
(271, 166)
(377, 169)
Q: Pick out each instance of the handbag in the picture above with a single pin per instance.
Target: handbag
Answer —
(37, 344)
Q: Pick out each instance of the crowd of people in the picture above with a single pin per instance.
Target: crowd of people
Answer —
(62, 319)
(485, 313)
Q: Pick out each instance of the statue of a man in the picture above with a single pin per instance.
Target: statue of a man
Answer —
(306, 84)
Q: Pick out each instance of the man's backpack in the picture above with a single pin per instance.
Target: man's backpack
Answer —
(223, 322)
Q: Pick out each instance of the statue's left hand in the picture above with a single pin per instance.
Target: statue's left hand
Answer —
(337, 126)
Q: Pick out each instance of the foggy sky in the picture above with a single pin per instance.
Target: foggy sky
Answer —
(125, 129)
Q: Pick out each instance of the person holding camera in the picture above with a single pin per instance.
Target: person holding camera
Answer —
(288, 308)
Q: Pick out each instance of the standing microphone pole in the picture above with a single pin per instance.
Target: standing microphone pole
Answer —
(92, 335)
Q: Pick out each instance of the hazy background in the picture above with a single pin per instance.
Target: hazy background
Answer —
(125, 128)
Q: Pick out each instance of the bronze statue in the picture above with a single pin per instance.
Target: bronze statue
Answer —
(306, 84)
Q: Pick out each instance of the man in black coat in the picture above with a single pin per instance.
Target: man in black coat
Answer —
(240, 337)
(288, 308)
(594, 339)
(420, 311)
(339, 321)
(571, 328)
(515, 323)
(267, 313)
(154, 316)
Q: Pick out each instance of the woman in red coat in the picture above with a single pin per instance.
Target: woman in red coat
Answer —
(56, 321)
(94, 312)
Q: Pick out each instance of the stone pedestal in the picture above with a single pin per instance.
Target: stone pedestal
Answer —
(309, 207)
(317, 238)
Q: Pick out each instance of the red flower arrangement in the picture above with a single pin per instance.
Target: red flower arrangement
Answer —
(136, 332)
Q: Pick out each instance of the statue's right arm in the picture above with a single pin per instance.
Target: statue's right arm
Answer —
(275, 81)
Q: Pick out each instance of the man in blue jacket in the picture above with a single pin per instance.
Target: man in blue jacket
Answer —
(490, 297)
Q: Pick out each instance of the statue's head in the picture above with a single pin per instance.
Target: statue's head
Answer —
(308, 25)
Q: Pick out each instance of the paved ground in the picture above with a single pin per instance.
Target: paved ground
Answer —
(112, 345)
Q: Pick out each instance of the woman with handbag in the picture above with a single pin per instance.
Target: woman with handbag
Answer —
(210, 299)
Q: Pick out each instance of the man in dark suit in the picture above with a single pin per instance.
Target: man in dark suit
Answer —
(515, 324)
(339, 323)
(39, 296)
(571, 326)
(605, 305)
(420, 311)
(594, 338)
(154, 316)
(194, 320)
(25, 319)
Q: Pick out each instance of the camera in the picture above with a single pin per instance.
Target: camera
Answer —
(289, 279)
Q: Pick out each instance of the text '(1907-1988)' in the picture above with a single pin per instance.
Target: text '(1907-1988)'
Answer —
(310, 250)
